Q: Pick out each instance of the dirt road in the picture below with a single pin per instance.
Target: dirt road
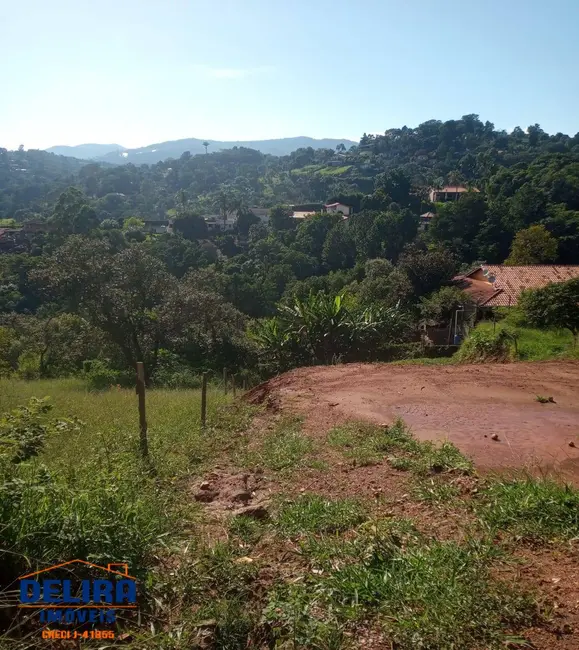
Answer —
(466, 404)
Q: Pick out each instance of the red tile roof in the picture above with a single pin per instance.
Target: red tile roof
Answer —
(480, 290)
(497, 285)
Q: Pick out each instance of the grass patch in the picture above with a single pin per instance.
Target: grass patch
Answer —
(434, 491)
(86, 494)
(544, 400)
(367, 444)
(422, 594)
(537, 510)
(314, 514)
(245, 529)
(334, 171)
(284, 449)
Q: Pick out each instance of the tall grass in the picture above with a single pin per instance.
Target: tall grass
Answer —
(87, 495)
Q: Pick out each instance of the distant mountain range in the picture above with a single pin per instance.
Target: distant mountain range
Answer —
(114, 153)
(85, 151)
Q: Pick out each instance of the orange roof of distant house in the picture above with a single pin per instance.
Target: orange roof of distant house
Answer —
(455, 189)
(497, 285)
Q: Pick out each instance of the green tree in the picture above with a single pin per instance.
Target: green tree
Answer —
(457, 224)
(72, 213)
(246, 219)
(553, 306)
(280, 218)
(339, 250)
(440, 306)
(133, 223)
(131, 297)
(312, 232)
(190, 225)
(534, 245)
(427, 269)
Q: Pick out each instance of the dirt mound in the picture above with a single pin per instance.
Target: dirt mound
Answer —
(489, 411)
(241, 493)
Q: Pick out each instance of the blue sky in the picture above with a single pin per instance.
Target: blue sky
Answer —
(135, 72)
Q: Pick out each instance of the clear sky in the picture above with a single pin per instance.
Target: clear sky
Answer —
(136, 72)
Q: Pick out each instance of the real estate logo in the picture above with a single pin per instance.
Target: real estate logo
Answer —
(79, 603)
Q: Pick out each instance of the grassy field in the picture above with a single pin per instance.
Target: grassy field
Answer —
(328, 567)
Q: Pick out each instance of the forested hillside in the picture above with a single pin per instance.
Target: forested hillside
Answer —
(95, 276)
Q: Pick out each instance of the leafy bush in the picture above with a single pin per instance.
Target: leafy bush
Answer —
(483, 345)
(29, 365)
(554, 306)
(23, 432)
(98, 375)
(171, 372)
(440, 306)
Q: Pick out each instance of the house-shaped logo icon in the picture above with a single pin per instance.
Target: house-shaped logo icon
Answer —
(116, 568)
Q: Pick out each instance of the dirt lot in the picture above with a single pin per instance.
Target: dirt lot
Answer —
(469, 405)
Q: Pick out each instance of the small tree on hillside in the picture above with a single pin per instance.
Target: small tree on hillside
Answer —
(440, 306)
(534, 245)
(553, 306)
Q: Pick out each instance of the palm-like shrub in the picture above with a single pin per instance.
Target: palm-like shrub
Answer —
(324, 329)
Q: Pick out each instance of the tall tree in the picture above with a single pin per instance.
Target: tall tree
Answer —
(534, 245)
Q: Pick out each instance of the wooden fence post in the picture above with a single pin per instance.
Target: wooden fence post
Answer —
(204, 401)
(143, 441)
(244, 385)
(233, 385)
(225, 380)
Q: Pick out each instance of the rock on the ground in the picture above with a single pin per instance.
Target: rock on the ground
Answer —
(255, 511)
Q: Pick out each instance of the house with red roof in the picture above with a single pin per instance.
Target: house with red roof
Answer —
(498, 285)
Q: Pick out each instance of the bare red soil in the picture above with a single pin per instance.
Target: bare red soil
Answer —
(469, 405)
